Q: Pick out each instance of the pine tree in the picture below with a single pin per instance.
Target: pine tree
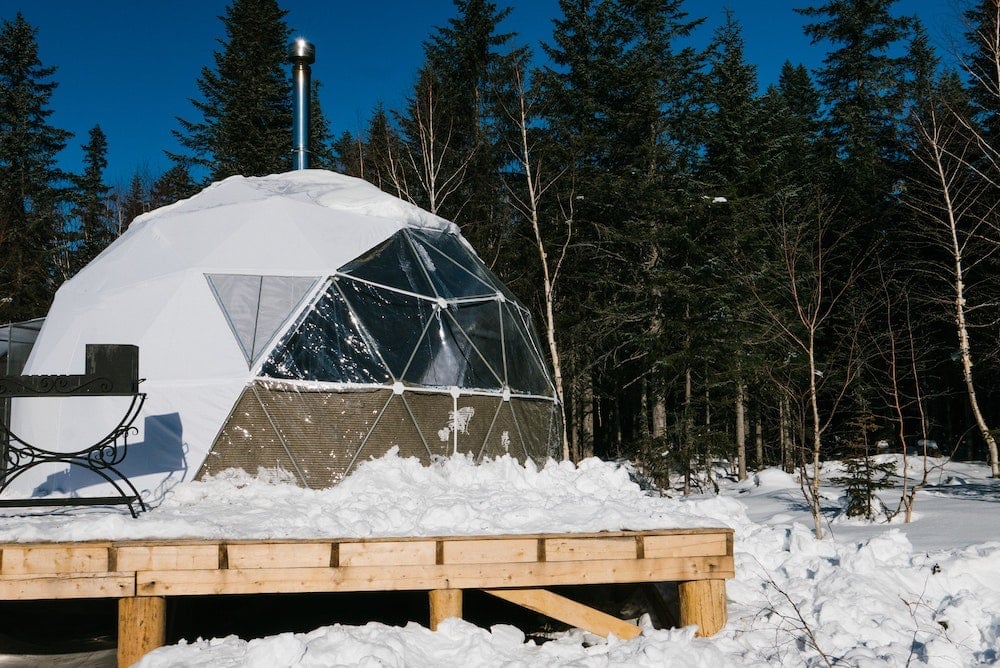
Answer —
(735, 136)
(246, 104)
(90, 203)
(31, 200)
(795, 155)
(866, 82)
(864, 474)
(383, 155)
(731, 144)
(349, 155)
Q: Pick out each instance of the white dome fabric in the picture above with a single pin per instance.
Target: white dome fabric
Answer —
(209, 289)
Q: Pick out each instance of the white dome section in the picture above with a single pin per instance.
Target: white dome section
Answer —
(149, 288)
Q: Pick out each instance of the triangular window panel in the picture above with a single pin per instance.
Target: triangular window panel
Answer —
(480, 336)
(526, 371)
(326, 345)
(454, 271)
(446, 356)
(394, 321)
(392, 264)
(257, 306)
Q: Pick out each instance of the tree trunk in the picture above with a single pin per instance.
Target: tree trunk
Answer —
(688, 430)
(758, 439)
(816, 440)
(741, 431)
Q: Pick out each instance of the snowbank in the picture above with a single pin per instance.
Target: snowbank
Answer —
(919, 594)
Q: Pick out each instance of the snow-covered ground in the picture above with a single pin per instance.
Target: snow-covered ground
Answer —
(869, 594)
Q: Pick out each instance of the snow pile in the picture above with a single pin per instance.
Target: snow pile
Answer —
(919, 594)
(393, 497)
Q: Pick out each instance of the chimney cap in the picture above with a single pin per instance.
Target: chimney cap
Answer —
(302, 50)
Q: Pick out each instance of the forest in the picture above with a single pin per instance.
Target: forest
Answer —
(719, 271)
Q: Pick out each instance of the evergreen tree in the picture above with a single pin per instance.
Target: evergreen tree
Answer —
(866, 82)
(867, 92)
(382, 155)
(732, 145)
(455, 127)
(173, 185)
(735, 136)
(321, 153)
(983, 21)
(864, 475)
(132, 201)
(31, 199)
(349, 155)
(621, 105)
(90, 203)
(795, 155)
(246, 108)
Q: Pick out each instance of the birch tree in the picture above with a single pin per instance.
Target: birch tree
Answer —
(958, 205)
(802, 293)
(528, 205)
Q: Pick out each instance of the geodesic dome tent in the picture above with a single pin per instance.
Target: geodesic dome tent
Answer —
(303, 321)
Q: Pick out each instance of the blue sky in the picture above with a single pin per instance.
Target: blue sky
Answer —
(131, 65)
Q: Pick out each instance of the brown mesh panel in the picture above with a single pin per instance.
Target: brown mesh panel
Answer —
(478, 427)
(539, 426)
(246, 441)
(433, 415)
(504, 437)
(395, 428)
(322, 430)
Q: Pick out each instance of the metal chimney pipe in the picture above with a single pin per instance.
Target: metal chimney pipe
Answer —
(302, 54)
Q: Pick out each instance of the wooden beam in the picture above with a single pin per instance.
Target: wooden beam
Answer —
(142, 627)
(388, 553)
(103, 585)
(571, 548)
(703, 603)
(434, 576)
(568, 611)
(445, 603)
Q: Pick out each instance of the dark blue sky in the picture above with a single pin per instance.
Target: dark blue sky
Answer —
(131, 65)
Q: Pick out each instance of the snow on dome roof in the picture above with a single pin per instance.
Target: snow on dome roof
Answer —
(309, 186)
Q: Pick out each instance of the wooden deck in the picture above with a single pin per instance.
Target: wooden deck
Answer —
(141, 574)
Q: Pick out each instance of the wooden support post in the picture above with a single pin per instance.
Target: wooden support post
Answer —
(703, 603)
(142, 627)
(445, 603)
